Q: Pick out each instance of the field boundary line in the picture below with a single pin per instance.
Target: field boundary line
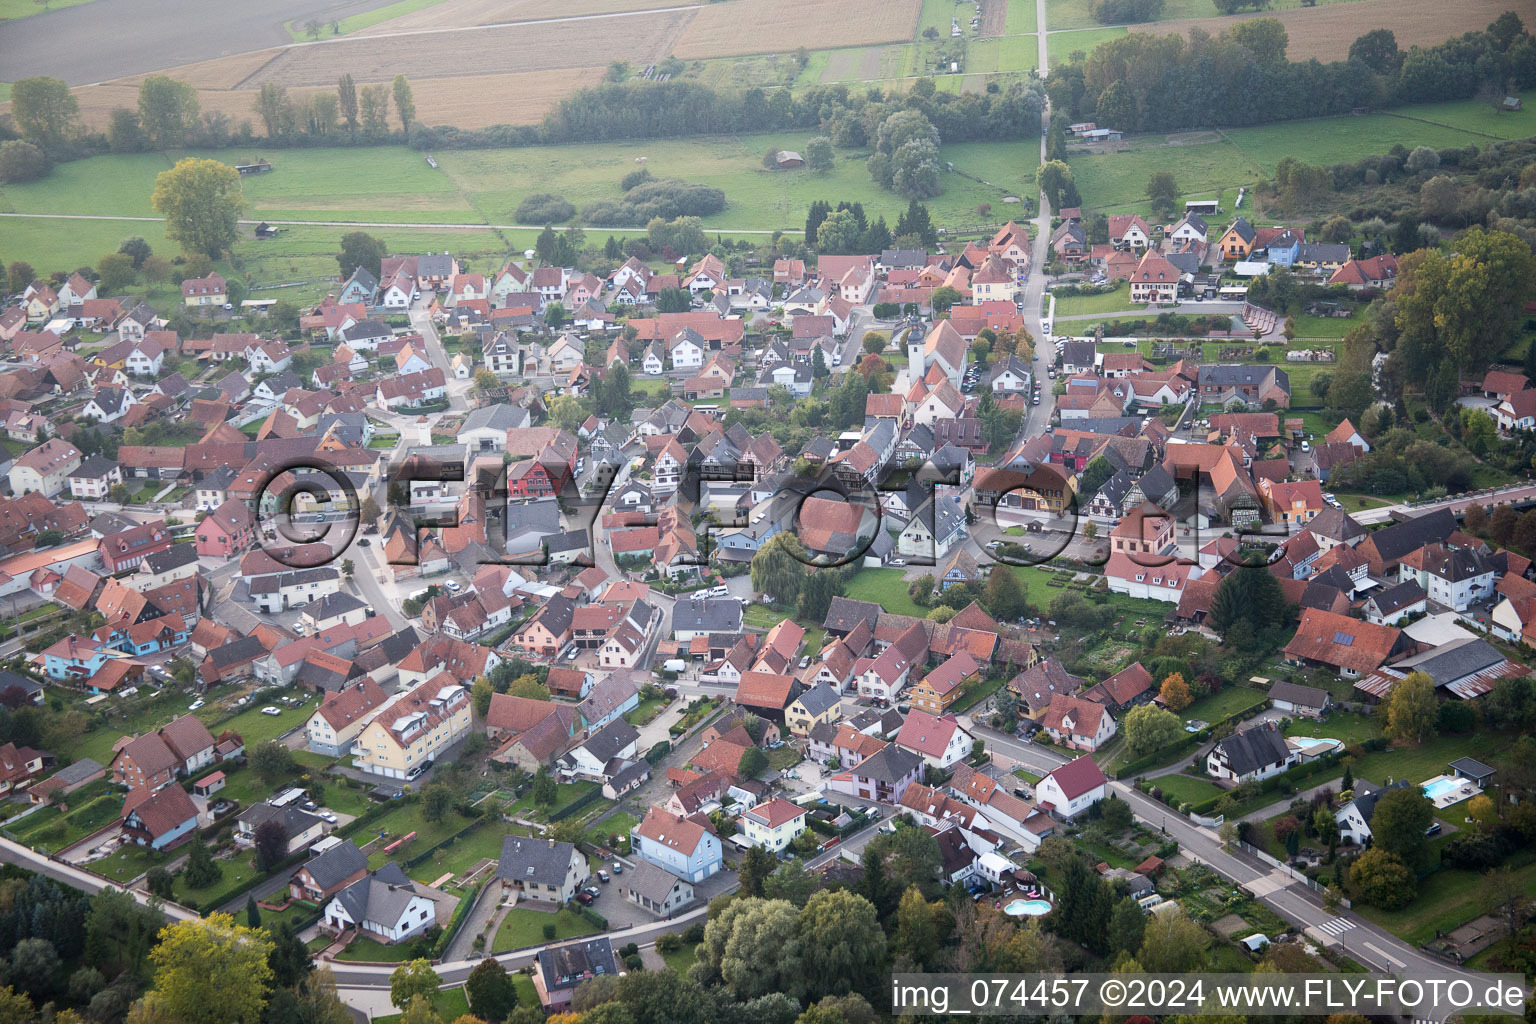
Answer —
(264, 65)
(1442, 124)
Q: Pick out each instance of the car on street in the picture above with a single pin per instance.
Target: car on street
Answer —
(1306, 446)
(364, 542)
(453, 586)
(329, 817)
(270, 710)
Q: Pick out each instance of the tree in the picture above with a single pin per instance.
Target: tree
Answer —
(271, 840)
(18, 275)
(554, 315)
(492, 995)
(201, 870)
(841, 943)
(1398, 825)
(167, 111)
(1173, 944)
(1265, 38)
(1004, 596)
(1149, 728)
(1058, 184)
(1163, 191)
(1377, 50)
(1439, 198)
(252, 911)
(915, 170)
(201, 202)
(211, 971)
(918, 928)
(125, 134)
(436, 800)
(839, 233)
(1412, 708)
(817, 592)
(1127, 926)
(755, 868)
(778, 567)
(1505, 894)
(373, 109)
(818, 153)
(346, 97)
(917, 223)
(405, 103)
(160, 882)
(1248, 611)
(753, 946)
(481, 693)
(135, 249)
(1116, 814)
(45, 112)
(1382, 880)
(360, 249)
(1083, 905)
(1175, 692)
(22, 161)
(544, 791)
(752, 764)
(943, 298)
(790, 881)
(272, 761)
(414, 978)
(115, 272)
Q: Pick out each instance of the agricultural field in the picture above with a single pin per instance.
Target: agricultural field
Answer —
(1202, 162)
(1335, 140)
(10, 10)
(299, 27)
(769, 26)
(1325, 32)
(1060, 46)
(418, 15)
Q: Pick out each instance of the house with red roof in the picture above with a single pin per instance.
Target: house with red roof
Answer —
(940, 740)
(773, 824)
(1348, 646)
(1077, 723)
(1072, 788)
(159, 819)
(1130, 686)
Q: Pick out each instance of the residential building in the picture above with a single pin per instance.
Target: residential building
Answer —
(383, 905)
(541, 869)
(773, 825)
(1250, 755)
(686, 847)
(414, 728)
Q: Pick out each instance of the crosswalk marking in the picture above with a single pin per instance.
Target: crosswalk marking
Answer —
(1337, 925)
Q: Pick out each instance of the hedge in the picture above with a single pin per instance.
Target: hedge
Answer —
(658, 751)
(579, 804)
(460, 912)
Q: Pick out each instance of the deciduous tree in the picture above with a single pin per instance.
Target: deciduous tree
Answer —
(201, 201)
(1411, 709)
(405, 103)
(211, 971)
(1149, 728)
(1398, 825)
(841, 944)
(45, 112)
(167, 110)
(415, 978)
(1382, 880)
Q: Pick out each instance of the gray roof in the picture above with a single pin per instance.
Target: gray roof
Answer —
(651, 881)
(1335, 524)
(173, 557)
(1295, 693)
(495, 417)
(610, 739)
(367, 329)
(294, 819)
(1453, 661)
(534, 861)
(94, 468)
(1472, 768)
(913, 259)
(818, 699)
(336, 865)
(607, 695)
(844, 613)
(1252, 749)
(566, 966)
(434, 264)
(381, 896)
(890, 764)
(711, 614)
(363, 277)
(85, 768)
(1116, 488)
(1395, 541)
(1396, 598)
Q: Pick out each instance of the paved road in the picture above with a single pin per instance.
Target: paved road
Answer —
(1294, 901)
(1458, 504)
(96, 42)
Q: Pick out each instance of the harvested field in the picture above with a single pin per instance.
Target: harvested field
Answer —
(219, 73)
(462, 13)
(466, 102)
(546, 46)
(1325, 32)
(776, 26)
(994, 17)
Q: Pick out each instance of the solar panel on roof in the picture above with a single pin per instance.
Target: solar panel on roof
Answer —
(1343, 639)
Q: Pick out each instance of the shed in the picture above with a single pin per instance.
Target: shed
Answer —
(1255, 942)
(789, 158)
(1470, 768)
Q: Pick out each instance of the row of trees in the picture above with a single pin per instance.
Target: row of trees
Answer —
(1159, 83)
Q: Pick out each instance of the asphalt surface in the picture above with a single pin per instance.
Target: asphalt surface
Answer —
(107, 39)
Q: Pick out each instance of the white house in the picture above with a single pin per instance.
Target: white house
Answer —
(1354, 818)
(383, 905)
(146, 359)
(1072, 788)
(686, 349)
(939, 740)
(1250, 755)
(773, 825)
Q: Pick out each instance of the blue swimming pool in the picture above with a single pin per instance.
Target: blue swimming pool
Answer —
(1437, 789)
(1028, 908)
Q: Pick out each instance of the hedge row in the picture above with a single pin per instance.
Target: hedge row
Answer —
(581, 803)
(460, 912)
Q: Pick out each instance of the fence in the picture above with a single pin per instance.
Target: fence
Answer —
(1316, 887)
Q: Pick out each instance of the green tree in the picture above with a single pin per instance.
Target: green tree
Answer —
(1248, 611)
(137, 250)
(1412, 709)
(1466, 305)
(790, 881)
(1117, 107)
(1381, 879)
(125, 133)
(1084, 905)
(752, 764)
(753, 946)
(1004, 596)
(436, 800)
(1163, 191)
(1127, 926)
(360, 249)
(919, 928)
(414, 978)
(272, 761)
(405, 103)
(544, 790)
(756, 866)
(346, 98)
(168, 109)
(817, 592)
(839, 233)
(1265, 38)
(492, 995)
(818, 153)
(917, 223)
(481, 692)
(1399, 823)
(1058, 184)
(211, 971)
(944, 298)
(201, 202)
(373, 109)
(115, 272)
(1149, 728)
(841, 943)
(554, 315)
(252, 912)
(779, 567)
(22, 161)
(1173, 944)
(275, 110)
(45, 112)
(201, 870)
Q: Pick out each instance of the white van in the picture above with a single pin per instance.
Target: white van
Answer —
(673, 665)
(718, 591)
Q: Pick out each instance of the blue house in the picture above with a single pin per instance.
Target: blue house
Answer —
(161, 819)
(362, 287)
(75, 658)
(686, 847)
(145, 637)
(1283, 248)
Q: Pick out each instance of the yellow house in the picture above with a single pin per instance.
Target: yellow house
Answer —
(1237, 242)
(941, 687)
(813, 707)
(205, 291)
(408, 733)
(773, 825)
(42, 303)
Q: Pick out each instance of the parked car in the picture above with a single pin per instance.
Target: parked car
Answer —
(593, 891)
(453, 586)
(603, 876)
(329, 816)
(618, 868)
(584, 898)
(195, 704)
(270, 710)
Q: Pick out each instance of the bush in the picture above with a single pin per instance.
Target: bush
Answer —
(668, 942)
(545, 208)
(887, 310)
(636, 177)
(22, 161)
(633, 963)
(549, 932)
(694, 933)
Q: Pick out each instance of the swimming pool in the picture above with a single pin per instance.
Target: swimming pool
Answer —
(1028, 908)
(1312, 741)
(1439, 789)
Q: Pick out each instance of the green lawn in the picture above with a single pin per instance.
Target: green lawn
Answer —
(1474, 116)
(1116, 301)
(616, 824)
(1118, 181)
(886, 588)
(451, 1003)
(1059, 46)
(366, 950)
(1429, 759)
(1447, 899)
(297, 29)
(1186, 789)
(1227, 701)
(1324, 326)
(12, 10)
(402, 821)
(1340, 725)
(524, 927)
(1021, 17)
(1331, 140)
(484, 843)
(685, 957)
(647, 710)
